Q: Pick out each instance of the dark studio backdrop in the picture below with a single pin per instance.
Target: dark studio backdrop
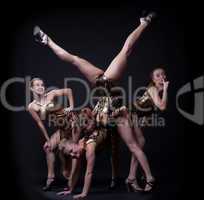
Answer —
(97, 34)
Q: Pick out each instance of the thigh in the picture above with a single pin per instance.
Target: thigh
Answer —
(125, 130)
(117, 67)
(55, 140)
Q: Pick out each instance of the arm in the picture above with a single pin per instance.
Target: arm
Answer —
(161, 103)
(75, 134)
(39, 122)
(74, 175)
(90, 157)
(65, 92)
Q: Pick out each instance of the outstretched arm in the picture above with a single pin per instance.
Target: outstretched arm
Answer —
(64, 92)
(39, 121)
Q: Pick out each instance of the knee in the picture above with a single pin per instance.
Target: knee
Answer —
(66, 173)
(124, 111)
(89, 173)
(142, 141)
(135, 149)
(127, 50)
(75, 60)
(48, 151)
(61, 54)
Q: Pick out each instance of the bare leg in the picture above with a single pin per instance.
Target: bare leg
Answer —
(119, 63)
(114, 156)
(66, 165)
(134, 162)
(138, 134)
(126, 134)
(90, 71)
(50, 157)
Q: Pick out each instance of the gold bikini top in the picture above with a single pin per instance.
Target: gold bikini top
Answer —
(145, 102)
(45, 108)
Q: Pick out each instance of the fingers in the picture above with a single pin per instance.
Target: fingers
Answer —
(63, 193)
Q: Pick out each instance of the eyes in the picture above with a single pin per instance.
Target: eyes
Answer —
(159, 75)
(39, 85)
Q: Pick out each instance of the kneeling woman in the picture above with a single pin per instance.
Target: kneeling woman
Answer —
(94, 137)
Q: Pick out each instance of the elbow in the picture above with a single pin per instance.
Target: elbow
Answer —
(67, 91)
(39, 123)
(89, 174)
(162, 107)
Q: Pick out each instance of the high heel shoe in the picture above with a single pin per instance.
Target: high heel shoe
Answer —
(115, 183)
(49, 184)
(40, 36)
(148, 18)
(150, 184)
(132, 186)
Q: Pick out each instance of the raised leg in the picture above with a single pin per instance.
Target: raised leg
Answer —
(90, 71)
(119, 63)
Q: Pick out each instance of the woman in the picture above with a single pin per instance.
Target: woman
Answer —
(154, 98)
(107, 79)
(94, 138)
(45, 104)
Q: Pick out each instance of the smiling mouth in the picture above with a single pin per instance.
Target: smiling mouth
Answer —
(76, 157)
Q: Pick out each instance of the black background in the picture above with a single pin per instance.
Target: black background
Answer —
(97, 33)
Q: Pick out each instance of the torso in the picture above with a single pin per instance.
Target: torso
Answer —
(50, 109)
(108, 100)
(144, 105)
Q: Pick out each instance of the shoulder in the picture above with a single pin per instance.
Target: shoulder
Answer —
(58, 91)
(152, 90)
(51, 92)
(31, 106)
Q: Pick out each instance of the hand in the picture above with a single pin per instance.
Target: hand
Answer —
(61, 145)
(79, 196)
(63, 193)
(118, 111)
(68, 109)
(165, 84)
(47, 146)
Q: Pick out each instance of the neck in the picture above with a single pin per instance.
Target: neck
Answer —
(159, 87)
(81, 144)
(38, 98)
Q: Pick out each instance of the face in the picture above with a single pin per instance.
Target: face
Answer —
(74, 150)
(38, 87)
(158, 77)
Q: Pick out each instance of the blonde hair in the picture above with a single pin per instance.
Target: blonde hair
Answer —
(35, 79)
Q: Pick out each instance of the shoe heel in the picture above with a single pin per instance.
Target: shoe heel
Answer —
(128, 186)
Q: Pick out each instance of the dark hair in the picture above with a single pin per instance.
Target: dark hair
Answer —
(35, 79)
(151, 83)
(86, 112)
